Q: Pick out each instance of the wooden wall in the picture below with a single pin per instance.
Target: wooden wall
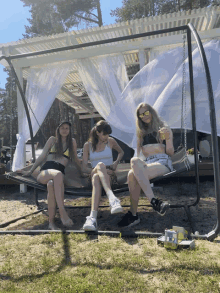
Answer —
(58, 112)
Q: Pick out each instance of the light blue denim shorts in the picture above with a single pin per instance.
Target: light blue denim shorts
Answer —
(162, 159)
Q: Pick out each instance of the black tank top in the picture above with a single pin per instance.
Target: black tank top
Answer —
(151, 139)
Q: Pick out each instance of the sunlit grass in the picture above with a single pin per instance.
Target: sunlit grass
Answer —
(74, 263)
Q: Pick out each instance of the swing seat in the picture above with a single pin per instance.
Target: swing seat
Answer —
(181, 164)
(74, 183)
(78, 186)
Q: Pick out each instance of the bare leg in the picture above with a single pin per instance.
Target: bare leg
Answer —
(51, 205)
(96, 192)
(57, 178)
(141, 173)
(104, 177)
(91, 221)
(135, 191)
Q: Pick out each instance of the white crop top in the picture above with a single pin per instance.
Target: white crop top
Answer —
(105, 156)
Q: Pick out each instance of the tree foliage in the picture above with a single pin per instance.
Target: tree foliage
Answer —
(133, 9)
(8, 112)
(58, 16)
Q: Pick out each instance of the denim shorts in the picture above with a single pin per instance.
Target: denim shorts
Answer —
(162, 159)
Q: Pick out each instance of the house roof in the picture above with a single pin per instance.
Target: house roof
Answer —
(205, 20)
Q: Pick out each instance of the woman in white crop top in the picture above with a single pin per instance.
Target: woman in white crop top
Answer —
(98, 149)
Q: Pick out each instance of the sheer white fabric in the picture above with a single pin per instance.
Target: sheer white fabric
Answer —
(159, 83)
(43, 84)
(104, 79)
(168, 104)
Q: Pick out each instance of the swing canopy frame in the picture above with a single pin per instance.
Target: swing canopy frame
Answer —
(190, 29)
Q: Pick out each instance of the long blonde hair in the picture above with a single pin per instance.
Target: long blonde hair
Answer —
(144, 128)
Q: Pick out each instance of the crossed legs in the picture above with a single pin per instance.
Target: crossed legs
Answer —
(100, 177)
(55, 188)
(101, 172)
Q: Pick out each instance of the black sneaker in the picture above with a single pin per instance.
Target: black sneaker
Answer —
(160, 206)
(129, 220)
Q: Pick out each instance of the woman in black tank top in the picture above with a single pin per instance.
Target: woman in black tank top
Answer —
(155, 141)
(52, 172)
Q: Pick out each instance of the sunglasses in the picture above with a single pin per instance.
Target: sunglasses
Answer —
(146, 113)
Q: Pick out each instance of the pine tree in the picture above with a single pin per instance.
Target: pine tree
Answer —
(58, 16)
(133, 9)
(8, 111)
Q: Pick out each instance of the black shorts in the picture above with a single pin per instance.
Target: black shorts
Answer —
(53, 165)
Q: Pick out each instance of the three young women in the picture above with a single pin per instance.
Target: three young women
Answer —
(57, 152)
(98, 150)
(155, 141)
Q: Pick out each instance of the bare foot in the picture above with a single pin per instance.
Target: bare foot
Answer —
(52, 226)
(67, 223)
(66, 219)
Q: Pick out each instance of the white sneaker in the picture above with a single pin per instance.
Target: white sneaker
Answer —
(116, 206)
(90, 224)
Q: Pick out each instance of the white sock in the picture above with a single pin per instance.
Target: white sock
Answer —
(110, 195)
(94, 214)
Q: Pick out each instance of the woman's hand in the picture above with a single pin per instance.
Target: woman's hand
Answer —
(24, 173)
(164, 133)
(109, 171)
(114, 166)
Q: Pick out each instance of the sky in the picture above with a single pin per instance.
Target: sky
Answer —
(13, 18)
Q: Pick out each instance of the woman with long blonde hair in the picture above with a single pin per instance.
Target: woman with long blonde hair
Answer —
(57, 152)
(155, 142)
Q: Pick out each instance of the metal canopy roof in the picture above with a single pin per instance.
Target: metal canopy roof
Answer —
(206, 22)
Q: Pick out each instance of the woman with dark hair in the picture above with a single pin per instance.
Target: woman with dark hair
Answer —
(155, 142)
(98, 150)
(57, 152)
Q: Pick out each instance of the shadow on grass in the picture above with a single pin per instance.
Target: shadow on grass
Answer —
(203, 269)
(65, 262)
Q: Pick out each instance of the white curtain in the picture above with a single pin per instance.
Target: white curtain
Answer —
(159, 83)
(43, 84)
(168, 103)
(104, 78)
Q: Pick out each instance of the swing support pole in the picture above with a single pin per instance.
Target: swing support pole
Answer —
(212, 115)
(190, 29)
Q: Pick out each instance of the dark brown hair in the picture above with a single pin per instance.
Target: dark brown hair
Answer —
(69, 143)
(144, 128)
(100, 126)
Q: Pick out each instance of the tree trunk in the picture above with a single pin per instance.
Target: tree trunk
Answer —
(99, 13)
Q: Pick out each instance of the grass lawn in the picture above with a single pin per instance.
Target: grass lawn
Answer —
(77, 263)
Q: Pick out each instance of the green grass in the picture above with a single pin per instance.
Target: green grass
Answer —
(75, 263)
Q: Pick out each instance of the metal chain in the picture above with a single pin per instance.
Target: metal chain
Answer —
(183, 112)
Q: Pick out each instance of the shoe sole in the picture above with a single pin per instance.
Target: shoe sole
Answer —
(89, 228)
(165, 210)
(131, 225)
(117, 210)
